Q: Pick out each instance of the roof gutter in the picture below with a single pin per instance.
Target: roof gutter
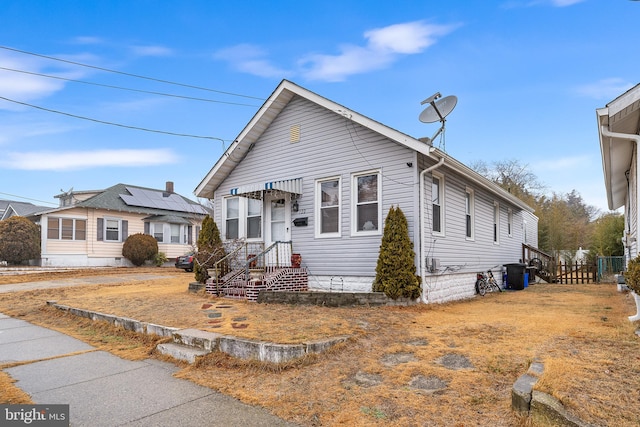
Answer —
(423, 276)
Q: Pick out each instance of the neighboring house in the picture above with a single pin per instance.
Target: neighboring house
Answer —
(9, 208)
(310, 171)
(618, 127)
(90, 227)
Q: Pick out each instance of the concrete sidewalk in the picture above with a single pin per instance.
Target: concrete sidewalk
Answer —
(105, 390)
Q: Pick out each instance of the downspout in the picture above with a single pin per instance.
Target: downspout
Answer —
(633, 138)
(423, 228)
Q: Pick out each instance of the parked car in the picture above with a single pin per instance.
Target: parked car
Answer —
(185, 262)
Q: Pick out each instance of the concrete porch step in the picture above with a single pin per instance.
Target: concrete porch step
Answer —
(181, 352)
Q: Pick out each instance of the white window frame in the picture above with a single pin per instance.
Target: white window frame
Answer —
(496, 223)
(355, 203)
(74, 236)
(441, 200)
(106, 229)
(470, 214)
(243, 216)
(318, 208)
(510, 222)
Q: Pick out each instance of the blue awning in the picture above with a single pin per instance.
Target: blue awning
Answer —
(293, 186)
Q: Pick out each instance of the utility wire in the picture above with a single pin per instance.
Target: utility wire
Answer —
(112, 123)
(125, 88)
(129, 74)
(27, 198)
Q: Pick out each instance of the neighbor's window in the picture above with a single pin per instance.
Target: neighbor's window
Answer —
(366, 189)
(66, 229)
(469, 212)
(510, 222)
(112, 230)
(157, 231)
(175, 233)
(328, 204)
(437, 202)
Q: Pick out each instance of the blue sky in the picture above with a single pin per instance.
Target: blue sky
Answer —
(528, 74)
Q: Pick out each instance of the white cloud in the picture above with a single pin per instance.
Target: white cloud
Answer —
(605, 89)
(250, 59)
(530, 3)
(91, 40)
(152, 50)
(76, 160)
(384, 46)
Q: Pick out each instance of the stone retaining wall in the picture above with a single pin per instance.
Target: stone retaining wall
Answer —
(190, 343)
(330, 299)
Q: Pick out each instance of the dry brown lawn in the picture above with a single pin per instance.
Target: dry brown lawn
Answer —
(580, 332)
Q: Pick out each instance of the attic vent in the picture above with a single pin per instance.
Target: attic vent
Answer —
(294, 133)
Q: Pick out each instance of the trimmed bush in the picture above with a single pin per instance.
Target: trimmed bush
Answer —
(396, 269)
(632, 275)
(139, 248)
(19, 240)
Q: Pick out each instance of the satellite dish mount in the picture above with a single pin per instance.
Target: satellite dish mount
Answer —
(437, 111)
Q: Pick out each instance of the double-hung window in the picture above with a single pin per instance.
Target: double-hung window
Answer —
(496, 223)
(328, 196)
(243, 218)
(232, 218)
(469, 202)
(437, 203)
(112, 230)
(366, 208)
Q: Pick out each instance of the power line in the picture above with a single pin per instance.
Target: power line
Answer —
(129, 74)
(112, 123)
(125, 88)
(26, 198)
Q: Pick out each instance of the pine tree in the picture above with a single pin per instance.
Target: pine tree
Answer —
(396, 269)
(210, 249)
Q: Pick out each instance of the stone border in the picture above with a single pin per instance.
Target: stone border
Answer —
(542, 408)
(188, 344)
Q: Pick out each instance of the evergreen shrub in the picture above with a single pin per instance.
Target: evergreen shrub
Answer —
(210, 249)
(396, 269)
(139, 248)
(19, 240)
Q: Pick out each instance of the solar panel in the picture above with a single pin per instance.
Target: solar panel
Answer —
(160, 200)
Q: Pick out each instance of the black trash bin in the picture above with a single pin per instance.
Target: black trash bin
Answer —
(516, 276)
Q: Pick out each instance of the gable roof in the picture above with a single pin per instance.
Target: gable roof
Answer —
(618, 127)
(279, 99)
(10, 208)
(135, 199)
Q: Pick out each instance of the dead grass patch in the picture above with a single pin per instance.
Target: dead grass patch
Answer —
(580, 332)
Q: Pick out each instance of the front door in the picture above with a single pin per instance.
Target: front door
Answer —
(277, 218)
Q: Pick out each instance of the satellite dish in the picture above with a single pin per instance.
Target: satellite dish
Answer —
(438, 110)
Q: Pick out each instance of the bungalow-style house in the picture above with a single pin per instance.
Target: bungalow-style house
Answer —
(9, 208)
(310, 171)
(89, 228)
(618, 130)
